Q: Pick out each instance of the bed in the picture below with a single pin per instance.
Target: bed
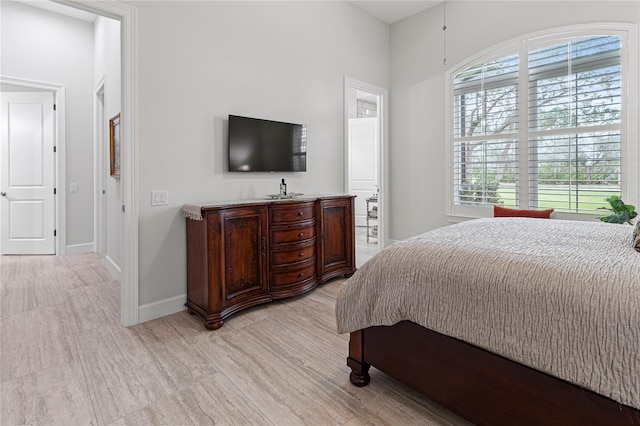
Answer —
(504, 320)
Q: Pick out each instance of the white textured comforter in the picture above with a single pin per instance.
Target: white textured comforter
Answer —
(560, 296)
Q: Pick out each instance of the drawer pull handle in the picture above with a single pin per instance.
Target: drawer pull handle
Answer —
(301, 234)
(301, 254)
(301, 274)
(301, 214)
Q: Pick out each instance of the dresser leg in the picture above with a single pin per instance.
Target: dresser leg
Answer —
(213, 325)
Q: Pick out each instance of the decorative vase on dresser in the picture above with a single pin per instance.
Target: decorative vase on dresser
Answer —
(244, 253)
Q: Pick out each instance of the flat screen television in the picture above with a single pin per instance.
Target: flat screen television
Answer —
(257, 145)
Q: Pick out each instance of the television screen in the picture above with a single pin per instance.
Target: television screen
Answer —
(257, 145)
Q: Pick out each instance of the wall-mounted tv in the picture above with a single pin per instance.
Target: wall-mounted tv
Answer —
(257, 145)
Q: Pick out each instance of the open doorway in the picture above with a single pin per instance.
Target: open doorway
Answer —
(365, 142)
(116, 202)
(128, 17)
(123, 81)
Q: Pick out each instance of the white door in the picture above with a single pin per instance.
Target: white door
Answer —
(363, 143)
(27, 173)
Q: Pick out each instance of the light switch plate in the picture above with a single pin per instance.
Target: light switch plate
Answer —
(73, 187)
(159, 198)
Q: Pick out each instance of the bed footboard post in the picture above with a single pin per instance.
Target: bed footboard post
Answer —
(359, 369)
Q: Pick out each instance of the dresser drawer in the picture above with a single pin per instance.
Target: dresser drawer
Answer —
(293, 277)
(299, 254)
(293, 234)
(292, 213)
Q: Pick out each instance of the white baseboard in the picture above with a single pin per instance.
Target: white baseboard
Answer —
(161, 308)
(112, 267)
(80, 248)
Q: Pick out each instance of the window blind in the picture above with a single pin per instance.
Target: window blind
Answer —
(564, 150)
(485, 127)
(574, 112)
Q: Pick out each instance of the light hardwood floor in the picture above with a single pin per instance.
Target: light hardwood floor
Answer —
(364, 250)
(66, 360)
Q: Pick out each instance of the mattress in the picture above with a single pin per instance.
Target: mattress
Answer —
(562, 297)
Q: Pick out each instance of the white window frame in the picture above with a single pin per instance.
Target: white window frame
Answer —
(630, 145)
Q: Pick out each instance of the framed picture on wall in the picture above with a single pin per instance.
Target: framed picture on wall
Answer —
(114, 145)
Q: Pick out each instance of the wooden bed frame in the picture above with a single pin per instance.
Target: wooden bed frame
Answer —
(478, 385)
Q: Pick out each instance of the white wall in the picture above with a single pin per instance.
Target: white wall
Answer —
(418, 87)
(107, 66)
(200, 62)
(47, 47)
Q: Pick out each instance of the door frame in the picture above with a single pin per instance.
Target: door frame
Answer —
(383, 157)
(59, 158)
(128, 17)
(99, 149)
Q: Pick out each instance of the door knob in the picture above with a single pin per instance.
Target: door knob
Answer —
(4, 194)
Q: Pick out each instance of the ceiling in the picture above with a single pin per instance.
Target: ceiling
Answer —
(388, 11)
(393, 11)
(61, 9)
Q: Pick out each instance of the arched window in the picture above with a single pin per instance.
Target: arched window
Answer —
(542, 123)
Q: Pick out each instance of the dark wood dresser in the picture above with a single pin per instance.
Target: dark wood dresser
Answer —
(245, 253)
